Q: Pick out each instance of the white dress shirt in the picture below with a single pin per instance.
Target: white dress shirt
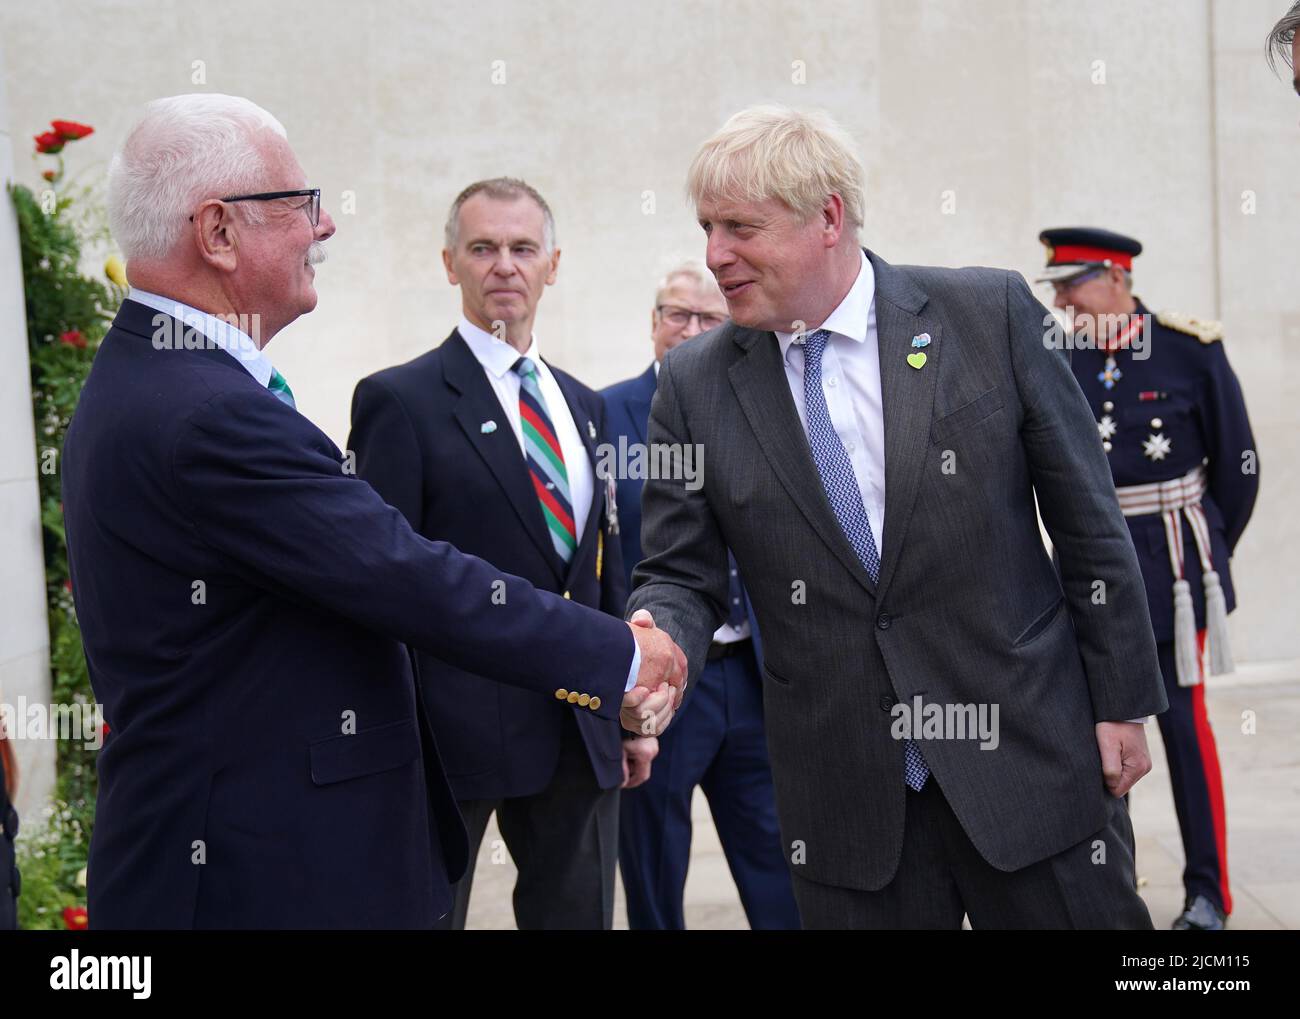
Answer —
(851, 384)
(235, 342)
(498, 358)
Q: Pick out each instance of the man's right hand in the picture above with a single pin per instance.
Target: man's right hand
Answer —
(661, 682)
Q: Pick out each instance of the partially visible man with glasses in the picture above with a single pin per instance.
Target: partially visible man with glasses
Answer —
(720, 743)
(687, 303)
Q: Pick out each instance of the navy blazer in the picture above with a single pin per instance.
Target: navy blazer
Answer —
(627, 409)
(244, 600)
(419, 439)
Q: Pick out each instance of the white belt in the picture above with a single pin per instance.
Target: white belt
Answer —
(1162, 496)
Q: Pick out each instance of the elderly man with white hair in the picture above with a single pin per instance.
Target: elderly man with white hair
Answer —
(950, 719)
(244, 599)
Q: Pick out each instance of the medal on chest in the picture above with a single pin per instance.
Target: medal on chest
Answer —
(1157, 445)
(1110, 373)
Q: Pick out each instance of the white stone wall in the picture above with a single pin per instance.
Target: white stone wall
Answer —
(24, 635)
(997, 102)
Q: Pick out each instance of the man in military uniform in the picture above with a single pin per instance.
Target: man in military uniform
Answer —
(1171, 418)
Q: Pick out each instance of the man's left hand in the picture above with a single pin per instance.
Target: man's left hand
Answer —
(638, 752)
(1124, 756)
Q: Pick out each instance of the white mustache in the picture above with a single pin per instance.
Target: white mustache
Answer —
(316, 253)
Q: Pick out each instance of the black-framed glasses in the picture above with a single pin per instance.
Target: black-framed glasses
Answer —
(312, 208)
(681, 317)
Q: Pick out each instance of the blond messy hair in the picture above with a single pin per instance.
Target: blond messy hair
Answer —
(798, 156)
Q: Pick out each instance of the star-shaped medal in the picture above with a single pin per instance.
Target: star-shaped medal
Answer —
(1106, 426)
(1157, 447)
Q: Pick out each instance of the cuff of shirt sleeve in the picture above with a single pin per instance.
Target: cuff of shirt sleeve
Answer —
(636, 665)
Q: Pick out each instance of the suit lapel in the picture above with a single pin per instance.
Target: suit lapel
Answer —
(758, 379)
(499, 448)
(908, 397)
(585, 420)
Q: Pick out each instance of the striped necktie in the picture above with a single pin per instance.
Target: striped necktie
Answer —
(281, 389)
(545, 462)
(842, 490)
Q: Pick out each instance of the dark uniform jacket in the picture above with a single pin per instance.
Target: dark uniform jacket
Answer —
(1177, 406)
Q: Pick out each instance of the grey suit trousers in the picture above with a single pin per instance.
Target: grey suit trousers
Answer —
(942, 877)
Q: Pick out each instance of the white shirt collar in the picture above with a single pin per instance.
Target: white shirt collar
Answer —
(850, 319)
(234, 341)
(497, 356)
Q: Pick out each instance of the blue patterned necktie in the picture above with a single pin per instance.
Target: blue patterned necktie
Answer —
(842, 490)
(281, 389)
(736, 614)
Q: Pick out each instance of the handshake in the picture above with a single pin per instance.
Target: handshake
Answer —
(660, 683)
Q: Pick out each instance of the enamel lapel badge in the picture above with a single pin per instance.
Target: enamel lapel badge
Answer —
(917, 358)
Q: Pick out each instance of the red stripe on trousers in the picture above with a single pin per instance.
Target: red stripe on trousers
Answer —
(1213, 775)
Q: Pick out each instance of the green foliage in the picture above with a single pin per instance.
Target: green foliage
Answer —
(51, 858)
(60, 301)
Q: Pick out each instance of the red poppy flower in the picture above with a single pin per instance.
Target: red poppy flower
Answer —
(67, 586)
(73, 339)
(49, 175)
(71, 130)
(75, 919)
(50, 142)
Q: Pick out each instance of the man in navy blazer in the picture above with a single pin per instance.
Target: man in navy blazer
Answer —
(243, 598)
(720, 744)
(453, 440)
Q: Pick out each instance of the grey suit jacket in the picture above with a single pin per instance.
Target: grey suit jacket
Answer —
(969, 608)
